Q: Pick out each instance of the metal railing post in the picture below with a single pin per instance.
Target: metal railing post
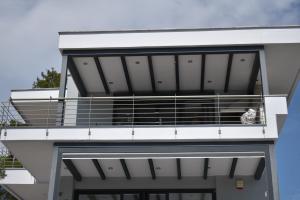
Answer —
(219, 113)
(175, 113)
(47, 130)
(133, 113)
(90, 115)
(13, 162)
(264, 109)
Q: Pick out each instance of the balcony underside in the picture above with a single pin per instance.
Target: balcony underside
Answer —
(166, 71)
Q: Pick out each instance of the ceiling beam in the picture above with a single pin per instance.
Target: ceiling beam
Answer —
(102, 76)
(229, 65)
(254, 74)
(203, 60)
(126, 73)
(125, 169)
(99, 169)
(260, 169)
(73, 170)
(76, 77)
(151, 165)
(178, 168)
(205, 170)
(150, 64)
(233, 166)
(177, 73)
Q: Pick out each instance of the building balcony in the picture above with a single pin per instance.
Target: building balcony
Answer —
(145, 117)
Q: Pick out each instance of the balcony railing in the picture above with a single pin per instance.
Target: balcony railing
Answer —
(8, 161)
(133, 111)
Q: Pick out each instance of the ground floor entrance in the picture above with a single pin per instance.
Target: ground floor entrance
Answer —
(162, 171)
(166, 194)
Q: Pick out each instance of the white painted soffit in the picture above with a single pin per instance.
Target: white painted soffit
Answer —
(179, 38)
(34, 94)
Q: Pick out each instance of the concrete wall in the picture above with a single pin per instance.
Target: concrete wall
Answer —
(253, 190)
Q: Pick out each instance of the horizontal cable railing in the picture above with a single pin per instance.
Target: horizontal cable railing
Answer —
(134, 111)
(9, 161)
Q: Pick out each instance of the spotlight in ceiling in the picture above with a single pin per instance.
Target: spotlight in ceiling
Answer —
(85, 63)
(159, 82)
(243, 60)
(209, 81)
(157, 168)
(190, 61)
(137, 62)
(110, 168)
(110, 82)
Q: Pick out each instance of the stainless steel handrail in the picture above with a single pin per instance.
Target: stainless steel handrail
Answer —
(129, 110)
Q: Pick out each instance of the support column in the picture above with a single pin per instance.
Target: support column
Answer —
(63, 77)
(271, 169)
(62, 91)
(54, 182)
(263, 72)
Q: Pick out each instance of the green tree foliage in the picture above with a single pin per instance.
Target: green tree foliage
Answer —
(4, 195)
(2, 166)
(50, 79)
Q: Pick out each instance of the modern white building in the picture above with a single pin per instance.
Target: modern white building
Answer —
(156, 115)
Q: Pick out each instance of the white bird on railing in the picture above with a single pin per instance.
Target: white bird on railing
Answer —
(249, 117)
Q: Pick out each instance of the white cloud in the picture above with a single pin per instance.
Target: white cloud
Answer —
(29, 28)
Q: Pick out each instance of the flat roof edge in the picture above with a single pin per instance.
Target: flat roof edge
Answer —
(178, 30)
(35, 89)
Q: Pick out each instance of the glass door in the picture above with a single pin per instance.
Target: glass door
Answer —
(180, 196)
(147, 195)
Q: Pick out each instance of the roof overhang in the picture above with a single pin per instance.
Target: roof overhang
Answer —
(179, 38)
(281, 46)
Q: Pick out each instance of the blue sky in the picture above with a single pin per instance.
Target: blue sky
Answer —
(28, 43)
(288, 152)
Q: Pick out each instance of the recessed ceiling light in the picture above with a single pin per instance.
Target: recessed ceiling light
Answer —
(159, 82)
(110, 82)
(190, 61)
(243, 60)
(137, 62)
(85, 63)
(209, 81)
(157, 168)
(110, 168)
